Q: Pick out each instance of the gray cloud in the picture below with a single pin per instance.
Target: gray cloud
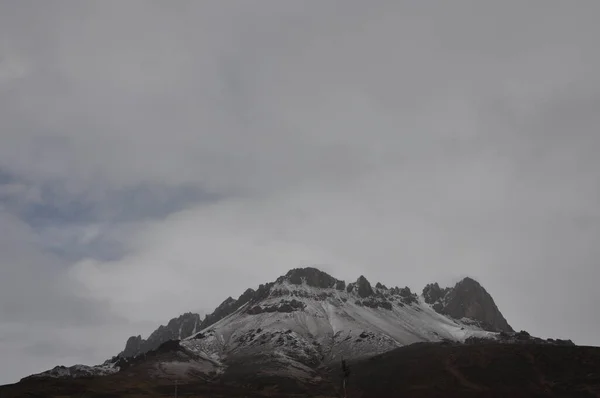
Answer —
(157, 158)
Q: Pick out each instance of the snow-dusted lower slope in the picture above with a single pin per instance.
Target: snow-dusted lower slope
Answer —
(79, 371)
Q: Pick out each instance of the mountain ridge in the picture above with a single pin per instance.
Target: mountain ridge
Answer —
(481, 309)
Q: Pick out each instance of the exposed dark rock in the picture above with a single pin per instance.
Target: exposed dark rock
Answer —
(169, 345)
(364, 288)
(324, 295)
(285, 308)
(378, 285)
(370, 303)
(133, 346)
(312, 276)
(257, 309)
(432, 293)
(377, 303)
(563, 342)
(340, 285)
(225, 308)
(290, 306)
(180, 327)
(246, 296)
(468, 299)
(282, 306)
(262, 292)
(282, 292)
(122, 363)
(407, 296)
(228, 307)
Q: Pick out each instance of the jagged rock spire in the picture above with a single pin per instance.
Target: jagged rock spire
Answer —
(363, 287)
(467, 299)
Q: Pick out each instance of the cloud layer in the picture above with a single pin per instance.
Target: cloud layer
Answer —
(156, 158)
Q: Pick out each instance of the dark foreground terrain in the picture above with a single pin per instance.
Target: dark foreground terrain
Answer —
(419, 370)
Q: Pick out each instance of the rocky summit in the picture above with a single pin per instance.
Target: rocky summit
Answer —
(467, 299)
(311, 277)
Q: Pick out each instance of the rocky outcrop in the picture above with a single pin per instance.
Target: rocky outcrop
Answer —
(362, 287)
(468, 299)
(226, 308)
(312, 277)
(432, 293)
(133, 346)
(286, 306)
(375, 303)
(263, 291)
(177, 328)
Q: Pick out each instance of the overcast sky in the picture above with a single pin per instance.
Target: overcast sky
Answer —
(157, 157)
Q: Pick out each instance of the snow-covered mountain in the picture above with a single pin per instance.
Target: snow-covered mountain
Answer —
(307, 318)
(290, 336)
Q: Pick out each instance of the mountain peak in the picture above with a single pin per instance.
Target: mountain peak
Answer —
(468, 281)
(467, 299)
(470, 300)
(312, 277)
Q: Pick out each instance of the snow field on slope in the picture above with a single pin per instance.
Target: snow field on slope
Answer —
(335, 324)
